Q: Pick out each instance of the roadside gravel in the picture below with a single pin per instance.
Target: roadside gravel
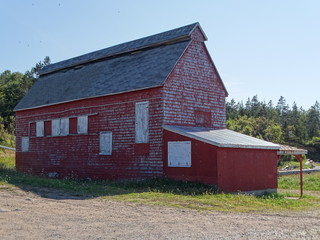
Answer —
(26, 215)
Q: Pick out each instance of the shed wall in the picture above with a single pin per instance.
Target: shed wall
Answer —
(247, 169)
(203, 161)
(78, 155)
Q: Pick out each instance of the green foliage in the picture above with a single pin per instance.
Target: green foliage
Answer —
(279, 124)
(6, 138)
(13, 86)
(259, 127)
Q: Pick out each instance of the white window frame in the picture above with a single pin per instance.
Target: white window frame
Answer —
(142, 122)
(25, 144)
(105, 143)
(179, 154)
(40, 128)
(82, 125)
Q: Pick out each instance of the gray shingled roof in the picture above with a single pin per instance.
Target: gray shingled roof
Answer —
(134, 65)
(222, 137)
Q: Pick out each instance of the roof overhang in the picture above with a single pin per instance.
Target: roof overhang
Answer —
(289, 150)
(223, 138)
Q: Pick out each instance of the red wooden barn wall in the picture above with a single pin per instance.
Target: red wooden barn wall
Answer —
(194, 86)
(77, 155)
(231, 169)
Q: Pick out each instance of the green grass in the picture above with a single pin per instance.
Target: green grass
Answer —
(311, 182)
(165, 192)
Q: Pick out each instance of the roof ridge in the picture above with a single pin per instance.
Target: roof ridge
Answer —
(167, 37)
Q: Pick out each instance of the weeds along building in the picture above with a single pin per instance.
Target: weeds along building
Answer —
(153, 107)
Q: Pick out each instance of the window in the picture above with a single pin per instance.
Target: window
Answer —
(179, 154)
(64, 126)
(203, 118)
(25, 144)
(40, 129)
(82, 125)
(55, 127)
(105, 143)
(142, 122)
(60, 127)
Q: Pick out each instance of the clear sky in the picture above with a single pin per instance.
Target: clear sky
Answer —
(266, 47)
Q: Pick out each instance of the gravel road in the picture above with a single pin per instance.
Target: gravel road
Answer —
(25, 215)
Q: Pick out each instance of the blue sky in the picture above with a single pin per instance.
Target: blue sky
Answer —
(266, 47)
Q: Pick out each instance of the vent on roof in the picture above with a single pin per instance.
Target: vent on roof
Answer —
(135, 52)
(78, 67)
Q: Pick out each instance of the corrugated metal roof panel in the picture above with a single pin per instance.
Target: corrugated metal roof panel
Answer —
(222, 137)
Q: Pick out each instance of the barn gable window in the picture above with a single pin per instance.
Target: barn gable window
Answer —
(142, 122)
(82, 126)
(25, 144)
(105, 143)
(179, 154)
(203, 118)
(60, 127)
(40, 129)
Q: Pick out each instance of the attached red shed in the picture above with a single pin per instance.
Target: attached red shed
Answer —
(232, 161)
(101, 115)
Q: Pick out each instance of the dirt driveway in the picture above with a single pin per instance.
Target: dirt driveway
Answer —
(25, 215)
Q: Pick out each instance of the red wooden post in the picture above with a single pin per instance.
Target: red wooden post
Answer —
(299, 157)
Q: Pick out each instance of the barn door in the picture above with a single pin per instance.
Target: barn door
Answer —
(142, 122)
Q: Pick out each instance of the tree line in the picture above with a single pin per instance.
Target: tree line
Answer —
(13, 86)
(279, 123)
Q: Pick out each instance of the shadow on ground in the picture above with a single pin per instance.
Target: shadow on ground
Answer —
(61, 189)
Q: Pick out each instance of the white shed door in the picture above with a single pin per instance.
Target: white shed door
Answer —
(142, 122)
(179, 154)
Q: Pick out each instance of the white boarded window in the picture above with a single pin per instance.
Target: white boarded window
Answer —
(179, 154)
(40, 129)
(142, 122)
(60, 127)
(105, 143)
(64, 126)
(25, 144)
(82, 127)
(55, 127)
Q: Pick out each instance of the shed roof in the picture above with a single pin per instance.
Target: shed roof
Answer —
(130, 66)
(289, 150)
(222, 137)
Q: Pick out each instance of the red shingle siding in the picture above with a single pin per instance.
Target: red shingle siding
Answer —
(78, 155)
(192, 86)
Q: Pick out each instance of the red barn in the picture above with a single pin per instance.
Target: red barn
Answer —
(153, 107)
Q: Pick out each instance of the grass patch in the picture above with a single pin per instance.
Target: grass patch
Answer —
(163, 192)
(7, 159)
(311, 182)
